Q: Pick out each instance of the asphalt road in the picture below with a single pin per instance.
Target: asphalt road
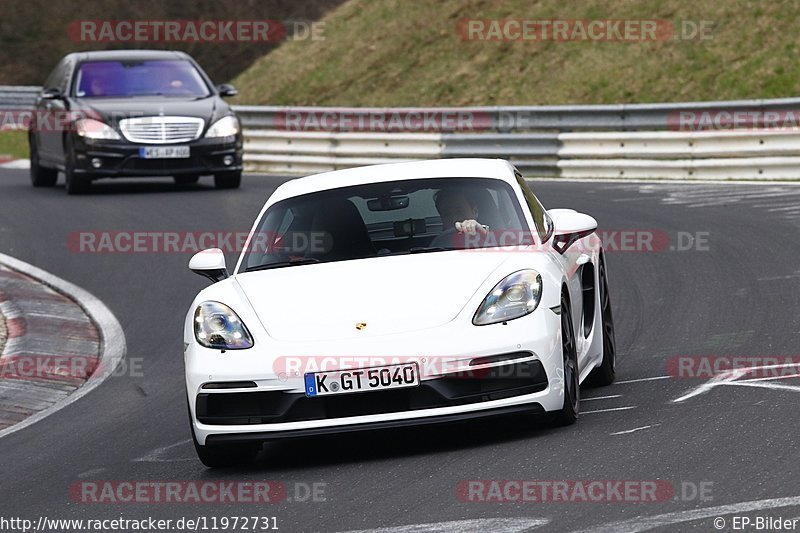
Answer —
(733, 293)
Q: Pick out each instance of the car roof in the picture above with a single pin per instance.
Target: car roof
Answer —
(437, 168)
(128, 55)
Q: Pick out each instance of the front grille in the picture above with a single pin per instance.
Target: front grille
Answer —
(161, 130)
(267, 407)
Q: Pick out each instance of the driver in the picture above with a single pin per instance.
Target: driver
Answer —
(98, 86)
(458, 211)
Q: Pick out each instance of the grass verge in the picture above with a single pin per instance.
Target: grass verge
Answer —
(409, 52)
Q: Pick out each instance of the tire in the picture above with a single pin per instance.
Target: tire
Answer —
(228, 180)
(40, 176)
(186, 180)
(605, 373)
(74, 184)
(221, 456)
(572, 392)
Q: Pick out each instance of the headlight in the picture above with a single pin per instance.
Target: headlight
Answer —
(515, 296)
(224, 127)
(90, 128)
(217, 326)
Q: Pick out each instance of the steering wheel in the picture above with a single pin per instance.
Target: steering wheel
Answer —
(444, 239)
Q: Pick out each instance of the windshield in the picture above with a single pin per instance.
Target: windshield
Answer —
(122, 79)
(391, 218)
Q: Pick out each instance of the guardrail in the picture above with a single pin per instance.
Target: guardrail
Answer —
(598, 141)
(603, 141)
(18, 96)
(514, 119)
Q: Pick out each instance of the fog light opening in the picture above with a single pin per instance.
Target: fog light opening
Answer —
(227, 160)
(97, 162)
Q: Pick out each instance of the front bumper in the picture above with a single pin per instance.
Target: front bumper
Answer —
(275, 405)
(270, 407)
(528, 408)
(121, 158)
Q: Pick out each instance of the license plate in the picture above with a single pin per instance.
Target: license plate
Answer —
(362, 380)
(164, 152)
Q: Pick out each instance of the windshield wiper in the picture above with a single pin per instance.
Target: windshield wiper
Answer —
(279, 264)
(426, 249)
(421, 250)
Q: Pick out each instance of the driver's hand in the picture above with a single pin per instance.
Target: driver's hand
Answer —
(471, 226)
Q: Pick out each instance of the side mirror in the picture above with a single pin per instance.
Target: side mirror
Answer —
(226, 89)
(209, 264)
(570, 226)
(52, 94)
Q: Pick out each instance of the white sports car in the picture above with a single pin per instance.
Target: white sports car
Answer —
(395, 295)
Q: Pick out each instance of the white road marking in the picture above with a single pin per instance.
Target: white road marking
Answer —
(771, 378)
(702, 194)
(634, 430)
(480, 525)
(779, 197)
(608, 410)
(710, 384)
(730, 378)
(601, 398)
(773, 194)
(155, 456)
(771, 207)
(645, 523)
(771, 191)
(692, 205)
(92, 472)
(704, 388)
(780, 278)
(764, 385)
(717, 194)
(642, 379)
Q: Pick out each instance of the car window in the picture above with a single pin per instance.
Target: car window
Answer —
(390, 218)
(124, 79)
(543, 222)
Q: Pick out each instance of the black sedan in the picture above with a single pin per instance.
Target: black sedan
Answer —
(129, 113)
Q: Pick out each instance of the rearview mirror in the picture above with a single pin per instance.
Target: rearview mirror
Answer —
(388, 203)
(570, 226)
(226, 89)
(209, 264)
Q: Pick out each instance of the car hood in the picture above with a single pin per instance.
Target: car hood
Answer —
(112, 110)
(390, 295)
